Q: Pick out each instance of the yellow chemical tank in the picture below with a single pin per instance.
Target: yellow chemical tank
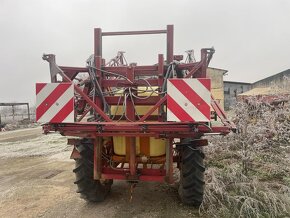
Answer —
(148, 146)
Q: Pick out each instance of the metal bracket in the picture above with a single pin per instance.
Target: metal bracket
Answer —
(144, 128)
(100, 128)
(54, 69)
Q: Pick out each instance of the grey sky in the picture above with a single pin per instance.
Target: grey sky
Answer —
(251, 37)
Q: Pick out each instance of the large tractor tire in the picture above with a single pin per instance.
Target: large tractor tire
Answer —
(191, 187)
(90, 189)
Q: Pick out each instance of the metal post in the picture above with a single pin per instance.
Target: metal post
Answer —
(169, 161)
(204, 63)
(98, 63)
(13, 111)
(169, 44)
(98, 59)
(160, 82)
(98, 42)
(132, 162)
(130, 113)
(97, 158)
(133, 32)
(28, 111)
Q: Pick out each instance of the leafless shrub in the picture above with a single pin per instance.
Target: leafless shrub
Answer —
(248, 172)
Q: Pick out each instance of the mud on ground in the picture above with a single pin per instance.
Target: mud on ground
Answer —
(36, 180)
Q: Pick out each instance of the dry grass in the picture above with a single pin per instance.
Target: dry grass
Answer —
(248, 173)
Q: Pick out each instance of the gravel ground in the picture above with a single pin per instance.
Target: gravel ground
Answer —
(36, 180)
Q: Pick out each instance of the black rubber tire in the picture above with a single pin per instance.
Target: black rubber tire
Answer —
(191, 186)
(90, 189)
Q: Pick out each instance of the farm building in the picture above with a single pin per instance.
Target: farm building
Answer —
(269, 86)
(232, 90)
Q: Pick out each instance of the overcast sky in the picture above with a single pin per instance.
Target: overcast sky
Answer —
(251, 37)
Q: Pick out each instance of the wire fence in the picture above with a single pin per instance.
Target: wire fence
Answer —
(10, 118)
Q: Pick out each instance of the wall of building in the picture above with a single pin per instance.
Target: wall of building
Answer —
(231, 91)
(277, 80)
(217, 85)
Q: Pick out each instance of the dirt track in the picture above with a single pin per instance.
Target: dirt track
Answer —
(36, 180)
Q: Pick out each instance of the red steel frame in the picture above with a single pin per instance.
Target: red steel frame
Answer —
(147, 125)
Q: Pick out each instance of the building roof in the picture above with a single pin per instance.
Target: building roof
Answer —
(214, 68)
(283, 73)
(234, 82)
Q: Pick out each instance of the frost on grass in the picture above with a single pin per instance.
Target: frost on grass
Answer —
(248, 173)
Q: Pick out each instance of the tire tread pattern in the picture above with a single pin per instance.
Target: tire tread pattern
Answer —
(90, 189)
(191, 187)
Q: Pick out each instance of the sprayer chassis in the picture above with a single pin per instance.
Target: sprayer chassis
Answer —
(147, 125)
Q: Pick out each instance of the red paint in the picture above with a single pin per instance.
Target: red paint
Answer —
(64, 112)
(51, 99)
(192, 96)
(39, 87)
(206, 83)
(177, 110)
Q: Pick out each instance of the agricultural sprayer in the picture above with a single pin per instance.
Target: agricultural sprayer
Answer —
(133, 122)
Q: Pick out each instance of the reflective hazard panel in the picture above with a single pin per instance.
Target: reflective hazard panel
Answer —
(54, 102)
(188, 100)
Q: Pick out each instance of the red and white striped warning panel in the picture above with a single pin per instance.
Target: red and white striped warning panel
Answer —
(54, 102)
(188, 100)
